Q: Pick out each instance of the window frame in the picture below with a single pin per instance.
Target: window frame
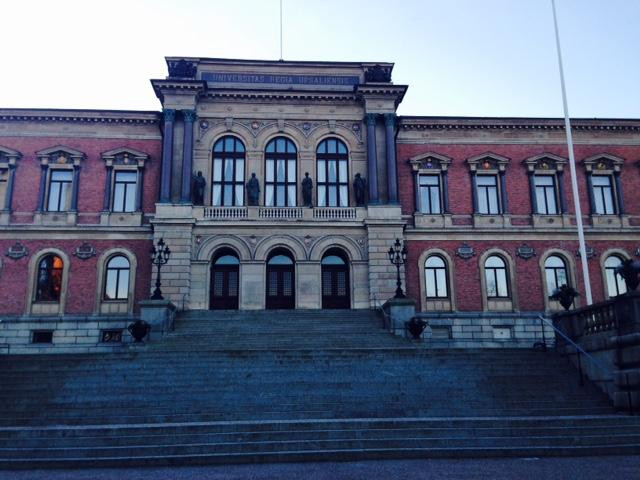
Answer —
(51, 274)
(114, 196)
(618, 280)
(489, 164)
(598, 193)
(61, 195)
(429, 194)
(555, 272)
(435, 278)
(505, 268)
(274, 184)
(237, 155)
(486, 188)
(338, 184)
(118, 271)
(545, 194)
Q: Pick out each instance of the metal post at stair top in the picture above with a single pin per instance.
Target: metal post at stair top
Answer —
(398, 257)
(159, 256)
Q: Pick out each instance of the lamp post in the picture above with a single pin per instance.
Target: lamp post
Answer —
(398, 256)
(159, 256)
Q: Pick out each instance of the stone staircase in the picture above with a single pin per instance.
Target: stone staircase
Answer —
(292, 386)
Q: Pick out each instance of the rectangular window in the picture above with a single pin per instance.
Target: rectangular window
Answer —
(487, 191)
(60, 183)
(4, 181)
(545, 194)
(430, 194)
(603, 195)
(124, 191)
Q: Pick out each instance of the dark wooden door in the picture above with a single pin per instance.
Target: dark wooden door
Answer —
(280, 287)
(335, 286)
(224, 287)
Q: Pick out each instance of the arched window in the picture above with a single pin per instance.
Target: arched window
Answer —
(555, 270)
(436, 278)
(116, 284)
(332, 173)
(495, 271)
(615, 283)
(49, 283)
(227, 182)
(281, 158)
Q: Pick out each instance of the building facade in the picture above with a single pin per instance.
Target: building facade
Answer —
(283, 185)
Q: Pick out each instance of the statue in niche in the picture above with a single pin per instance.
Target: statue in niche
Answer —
(307, 189)
(199, 185)
(253, 191)
(359, 188)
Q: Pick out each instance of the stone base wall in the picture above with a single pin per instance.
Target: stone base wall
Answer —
(71, 334)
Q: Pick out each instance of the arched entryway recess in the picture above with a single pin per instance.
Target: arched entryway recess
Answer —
(225, 275)
(336, 286)
(281, 280)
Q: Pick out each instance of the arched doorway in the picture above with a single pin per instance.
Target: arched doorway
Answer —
(280, 280)
(225, 273)
(335, 280)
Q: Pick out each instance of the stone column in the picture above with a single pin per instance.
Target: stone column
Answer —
(187, 155)
(416, 191)
(445, 191)
(616, 179)
(372, 158)
(474, 191)
(106, 203)
(532, 192)
(592, 200)
(74, 193)
(43, 187)
(167, 156)
(392, 167)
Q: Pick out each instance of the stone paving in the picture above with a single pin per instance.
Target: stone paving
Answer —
(582, 468)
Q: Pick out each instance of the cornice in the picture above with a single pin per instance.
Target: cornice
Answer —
(299, 95)
(79, 116)
(382, 89)
(161, 87)
(476, 123)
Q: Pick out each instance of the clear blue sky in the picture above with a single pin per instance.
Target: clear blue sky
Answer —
(459, 57)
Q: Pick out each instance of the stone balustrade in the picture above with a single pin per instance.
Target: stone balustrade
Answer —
(316, 214)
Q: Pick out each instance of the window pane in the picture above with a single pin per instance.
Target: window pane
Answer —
(344, 196)
(280, 145)
(291, 171)
(492, 290)
(239, 195)
(239, 170)
(483, 206)
(218, 146)
(269, 200)
(493, 201)
(622, 286)
(424, 200)
(110, 285)
(118, 262)
(608, 201)
(611, 282)
(332, 171)
(271, 146)
(495, 262)
(228, 144)
(217, 195)
(239, 146)
(612, 261)
(331, 146)
(321, 171)
(280, 196)
(61, 175)
(269, 170)
(551, 201)
(429, 180)
(342, 149)
(435, 200)
(228, 195)
(333, 196)
(540, 197)
(343, 171)
(502, 283)
(442, 282)
(434, 262)
(280, 170)
(486, 180)
(431, 282)
(130, 205)
(551, 280)
(322, 191)
(118, 197)
(123, 285)
(228, 169)
(217, 169)
(322, 148)
(129, 177)
(54, 195)
(291, 195)
(561, 275)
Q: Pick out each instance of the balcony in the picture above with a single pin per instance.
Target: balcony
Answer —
(279, 214)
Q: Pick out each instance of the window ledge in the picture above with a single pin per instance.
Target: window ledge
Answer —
(551, 221)
(609, 221)
(55, 218)
(129, 219)
(491, 221)
(425, 220)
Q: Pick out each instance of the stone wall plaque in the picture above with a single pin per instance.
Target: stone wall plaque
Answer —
(465, 251)
(591, 252)
(85, 251)
(525, 252)
(17, 251)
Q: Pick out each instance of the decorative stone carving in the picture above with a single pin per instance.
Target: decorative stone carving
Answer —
(525, 252)
(591, 252)
(182, 69)
(307, 190)
(253, 191)
(359, 188)
(199, 185)
(85, 251)
(17, 251)
(377, 73)
(465, 251)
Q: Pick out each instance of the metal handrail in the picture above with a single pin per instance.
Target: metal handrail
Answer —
(581, 351)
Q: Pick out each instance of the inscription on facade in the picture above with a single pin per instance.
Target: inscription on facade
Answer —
(319, 80)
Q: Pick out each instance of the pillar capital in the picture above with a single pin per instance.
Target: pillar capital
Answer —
(390, 119)
(370, 118)
(189, 115)
(169, 114)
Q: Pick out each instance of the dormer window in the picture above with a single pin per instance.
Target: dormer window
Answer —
(431, 181)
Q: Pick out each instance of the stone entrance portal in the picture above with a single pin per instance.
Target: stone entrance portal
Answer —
(280, 281)
(224, 281)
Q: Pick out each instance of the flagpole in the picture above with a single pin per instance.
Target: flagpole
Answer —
(280, 30)
(572, 167)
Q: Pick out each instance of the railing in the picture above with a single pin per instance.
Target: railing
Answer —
(225, 213)
(280, 213)
(589, 320)
(386, 317)
(328, 213)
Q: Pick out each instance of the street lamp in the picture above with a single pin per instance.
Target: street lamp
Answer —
(159, 256)
(398, 256)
